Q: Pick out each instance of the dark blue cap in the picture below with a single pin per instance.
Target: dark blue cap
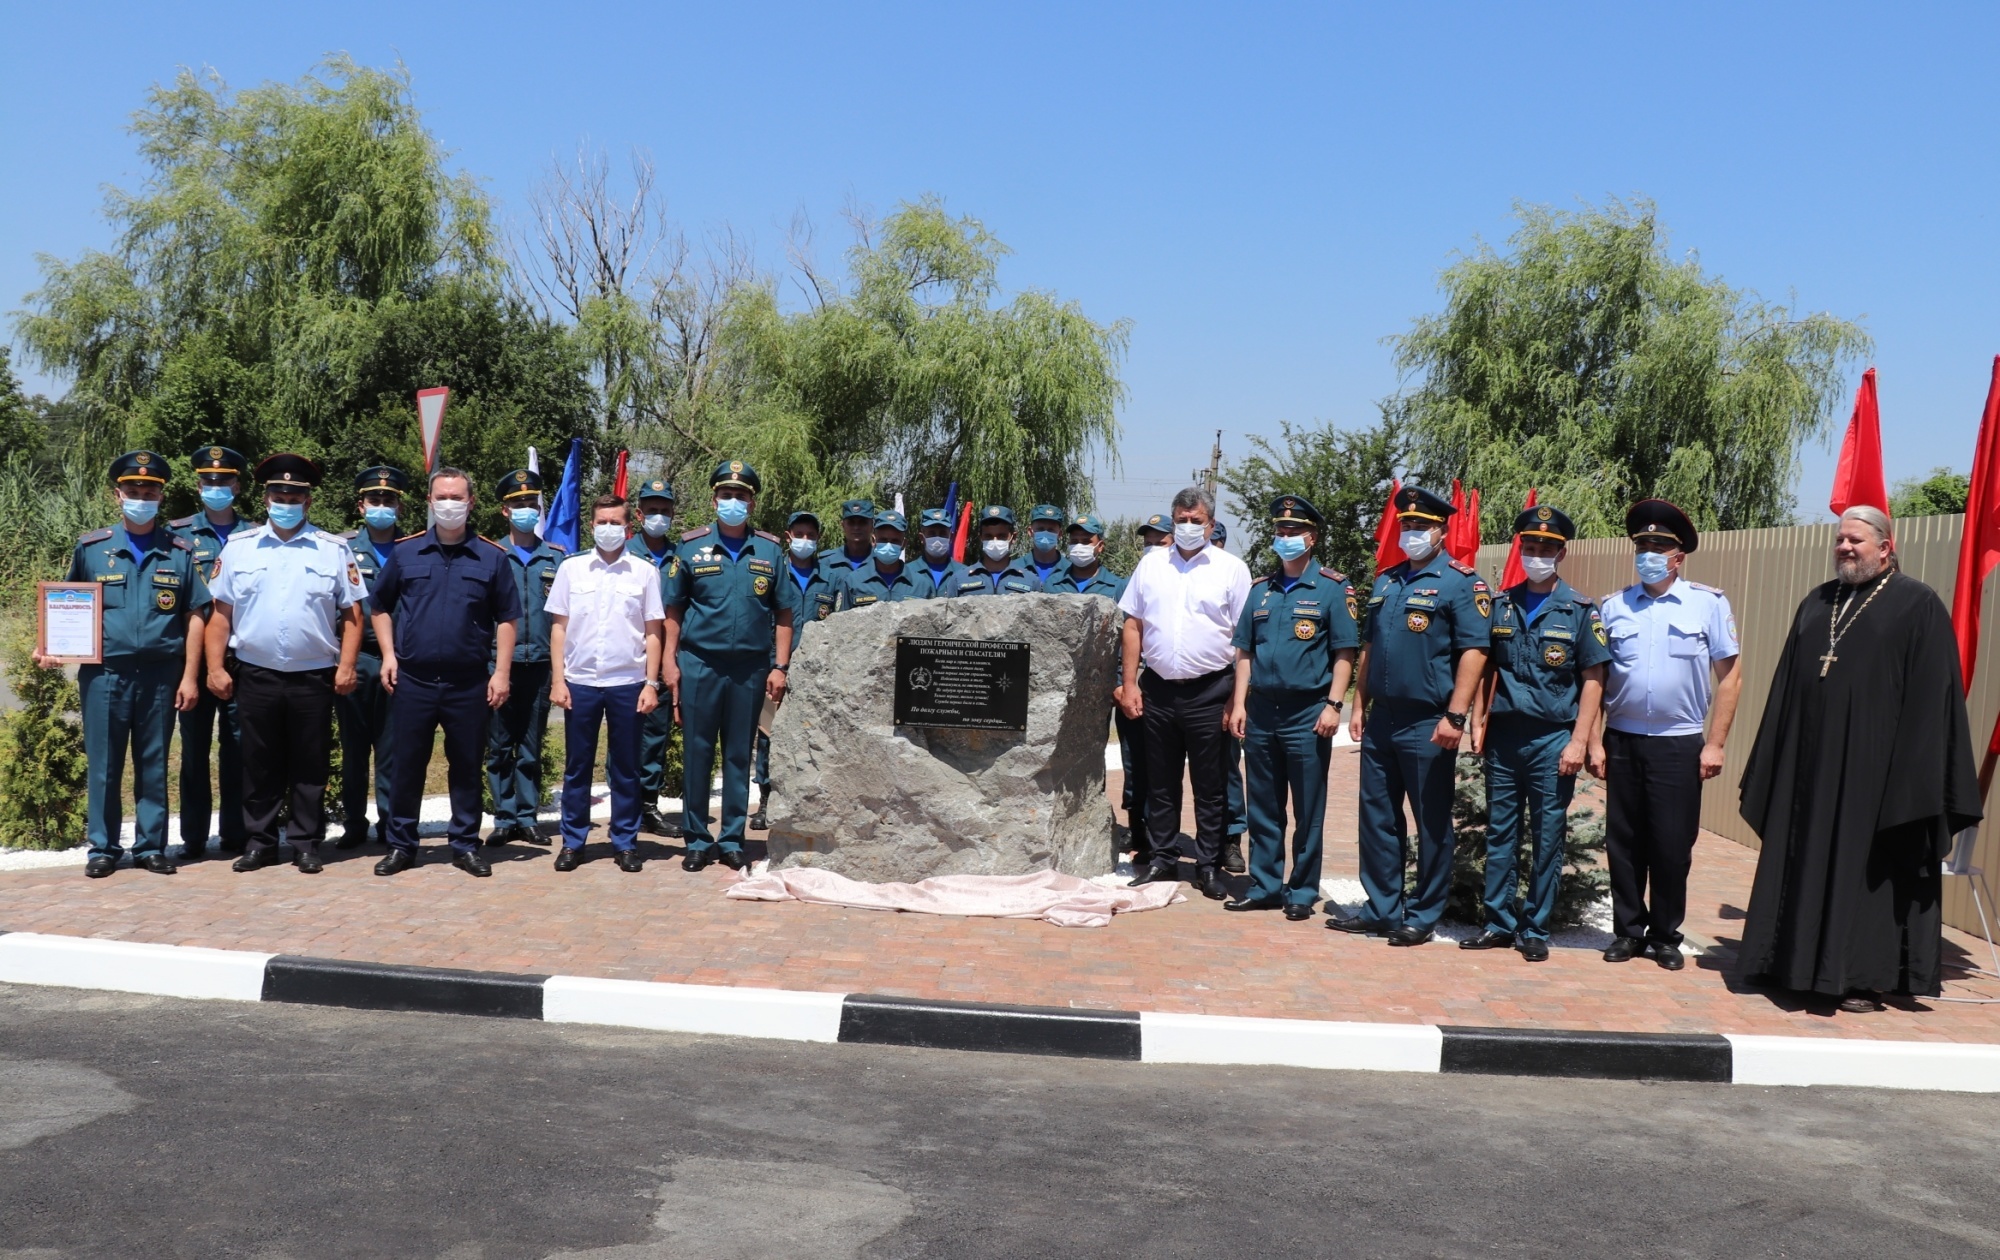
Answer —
(1422, 504)
(140, 466)
(1544, 521)
(734, 472)
(1292, 507)
(381, 477)
(521, 483)
(218, 459)
(287, 469)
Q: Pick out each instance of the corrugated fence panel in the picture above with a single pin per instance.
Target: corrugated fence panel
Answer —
(1766, 572)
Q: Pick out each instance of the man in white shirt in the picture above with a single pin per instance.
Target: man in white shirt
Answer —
(606, 624)
(1180, 606)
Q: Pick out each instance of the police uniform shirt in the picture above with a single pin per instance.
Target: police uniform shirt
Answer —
(1291, 632)
(1539, 656)
(1659, 681)
(149, 585)
(1420, 617)
(1103, 582)
(287, 596)
(534, 573)
(872, 586)
(1012, 580)
(729, 598)
(447, 599)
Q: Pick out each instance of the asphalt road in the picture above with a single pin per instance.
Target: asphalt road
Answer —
(149, 1127)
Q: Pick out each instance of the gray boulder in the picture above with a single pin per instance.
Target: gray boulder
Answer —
(854, 793)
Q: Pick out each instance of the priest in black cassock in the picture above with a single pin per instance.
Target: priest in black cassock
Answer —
(1861, 772)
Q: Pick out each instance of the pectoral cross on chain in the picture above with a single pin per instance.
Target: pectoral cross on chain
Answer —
(1826, 662)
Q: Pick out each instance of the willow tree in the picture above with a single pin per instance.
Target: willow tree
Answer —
(1587, 362)
(911, 374)
(296, 264)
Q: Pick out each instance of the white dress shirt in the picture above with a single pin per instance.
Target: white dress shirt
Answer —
(286, 597)
(1189, 606)
(608, 604)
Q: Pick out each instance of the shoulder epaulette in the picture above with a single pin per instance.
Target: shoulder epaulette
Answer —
(1463, 567)
(1260, 580)
(1332, 575)
(407, 537)
(692, 534)
(175, 540)
(763, 533)
(1713, 590)
(352, 534)
(1585, 601)
(182, 523)
(94, 536)
(556, 547)
(489, 542)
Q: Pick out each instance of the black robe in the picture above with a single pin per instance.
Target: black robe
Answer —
(1855, 785)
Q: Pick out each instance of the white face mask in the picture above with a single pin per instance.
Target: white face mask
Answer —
(1082, 555)
(1416, 543)
(656, 524)
(450, 513)
(1538, 568)
(804, 548)
(936, 548)
(609, 538)
(1190, 536)
(996, 548)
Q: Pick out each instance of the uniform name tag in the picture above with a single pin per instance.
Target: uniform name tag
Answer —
(1416, 601)
(864, 599)
(762, 566)
(704, 570)
(166, 579)
(1554, 633)
(111, 578)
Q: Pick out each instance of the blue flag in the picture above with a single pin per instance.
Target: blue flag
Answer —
(562, 520)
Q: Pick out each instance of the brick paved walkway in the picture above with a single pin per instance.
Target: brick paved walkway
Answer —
(665, 924)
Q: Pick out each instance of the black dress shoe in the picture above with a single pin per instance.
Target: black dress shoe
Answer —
(472, 863)
(1209, 881)
(352, 838)
(1258, 903)
(654, 823)
(255, 859)
(531, 835)
(398, 859)
(629, 861)
(1298, 911)
(696, 859)
(1668, 956)
(1157, 873)
(233, 846)
(500, 835)
(158, 863)
(1489, 939)
(1406, 936)
(1232, 854)
(1356, 924)
(568, 859)
(1624, 949)
(193, 852)
(760, 821)
(1534, 949)
(308, 862)
(99, 865)
(1862, 1002)
(734, 859)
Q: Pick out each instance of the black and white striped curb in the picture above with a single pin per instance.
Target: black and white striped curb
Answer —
(1136, 1036)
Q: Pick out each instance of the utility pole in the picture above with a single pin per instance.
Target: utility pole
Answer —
(1206, 476)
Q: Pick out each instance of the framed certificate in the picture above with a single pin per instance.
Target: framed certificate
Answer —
(70, 621)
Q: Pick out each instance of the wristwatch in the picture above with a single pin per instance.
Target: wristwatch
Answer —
(786, 668)
(1457, 720)
(1336, 705)
(654, 683)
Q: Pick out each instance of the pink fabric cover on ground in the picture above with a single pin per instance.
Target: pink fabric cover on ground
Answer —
(1064, 900)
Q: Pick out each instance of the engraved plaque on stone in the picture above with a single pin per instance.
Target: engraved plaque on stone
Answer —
(972, 684)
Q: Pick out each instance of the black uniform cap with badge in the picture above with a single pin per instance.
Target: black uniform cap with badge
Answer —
(218, 461)
(1414, 503)
(289, 470)
(379, 477)
(1543, 521)
(734, 472)
(140, 468)
(522, 483)
(1657, 518)
(1294, 508)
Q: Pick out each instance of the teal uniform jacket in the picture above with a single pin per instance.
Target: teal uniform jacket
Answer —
(975, 581)
(871, 586)
(1539, 659)
(370, 565)
(817, 600)
(211, 722)
(146, 601)
(636, 546)
(835, 564)
(941, 582)
(1103, 582)
(1049, 579)
(729, 604)
(1420, 618)
(1292, 635)
(532, 580)
(206, 539)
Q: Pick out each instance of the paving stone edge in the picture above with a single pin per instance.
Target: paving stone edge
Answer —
(1078, 1032)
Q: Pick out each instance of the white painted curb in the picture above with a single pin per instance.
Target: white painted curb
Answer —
(1939, 1065)
(786, 1014)
(182, 971)
(1304, 1043)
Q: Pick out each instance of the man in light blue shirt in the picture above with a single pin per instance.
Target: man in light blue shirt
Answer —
(1667, 637)
(283, 640)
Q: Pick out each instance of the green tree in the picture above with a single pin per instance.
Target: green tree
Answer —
(1590, 364)
(296, 265)
(21, 429)
(41, 755)
(1941, 492)
(1345, 473)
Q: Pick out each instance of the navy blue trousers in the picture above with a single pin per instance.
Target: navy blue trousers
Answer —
(211, 724)
(616, 709)
(1283, 757)
(1527, 805)
(1398, 762)
(423, 704)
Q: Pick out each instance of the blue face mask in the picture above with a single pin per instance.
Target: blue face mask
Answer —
(286, 515)
(525, 519)
(139, 511)
(889, 553)
(216, 498)
(732, 511)
(379, 517)
(1652, 567)
(1289, 546)
(1045, 542)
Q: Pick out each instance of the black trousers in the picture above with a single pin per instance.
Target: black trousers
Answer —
(1183, 722)
(284, 719)
(424, 702)
(1652, 810)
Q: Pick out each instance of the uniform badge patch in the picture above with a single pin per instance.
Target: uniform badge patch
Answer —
(1353, 609)
(760, 584)
(1483, 602)
(215, 570)
(166, 599)
(1554, 654)
(1418, 622)
(1597, 632)
(1303, 628)
(353, 575)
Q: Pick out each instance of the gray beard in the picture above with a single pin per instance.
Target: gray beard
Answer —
(1854, 573)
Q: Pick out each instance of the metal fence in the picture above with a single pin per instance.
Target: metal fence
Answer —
(1766, 572)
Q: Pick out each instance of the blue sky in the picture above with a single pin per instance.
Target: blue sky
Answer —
(1265, 191)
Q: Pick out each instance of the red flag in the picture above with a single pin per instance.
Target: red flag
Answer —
(1858, 480)
(1454, 529)
(1979, 550)
(963, 532)
(1388, 547)
(618, 481)
(1513, 574)
(1472, 537)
